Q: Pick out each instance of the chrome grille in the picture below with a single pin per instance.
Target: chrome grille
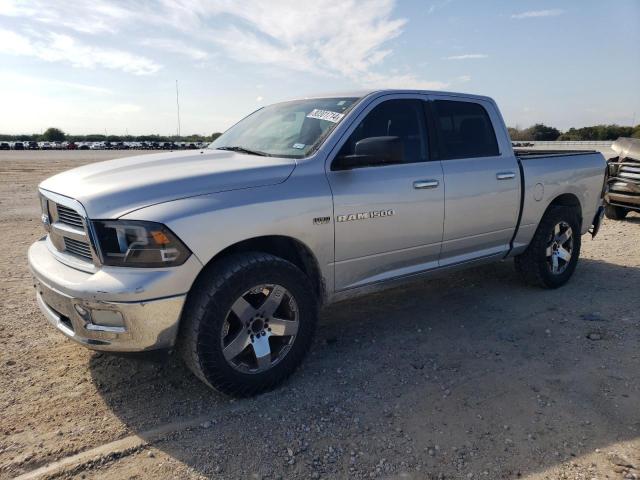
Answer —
(68, 240)
(82, 249)
(627, 179)
(630, 172)
(69, 216)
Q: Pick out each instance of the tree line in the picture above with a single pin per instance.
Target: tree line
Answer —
(540, 131)
(54, 134)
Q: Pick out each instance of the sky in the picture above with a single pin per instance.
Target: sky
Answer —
(111, 66)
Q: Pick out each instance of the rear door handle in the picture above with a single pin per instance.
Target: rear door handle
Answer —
(505, 175)
(419, 184)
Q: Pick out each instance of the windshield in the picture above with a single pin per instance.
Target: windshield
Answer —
(289, 129)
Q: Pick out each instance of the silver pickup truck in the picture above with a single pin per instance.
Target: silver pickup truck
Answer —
(227, 253)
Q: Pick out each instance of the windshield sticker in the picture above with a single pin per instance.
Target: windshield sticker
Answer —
(327, 115)
(299, 146)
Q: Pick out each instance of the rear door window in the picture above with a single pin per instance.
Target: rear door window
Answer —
(464, 130)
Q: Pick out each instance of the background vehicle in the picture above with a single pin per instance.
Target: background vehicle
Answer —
(622, 193)
(230, 252)
(5, 146)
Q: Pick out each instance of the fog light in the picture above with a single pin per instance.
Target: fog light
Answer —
(83, 312)
(107, 318)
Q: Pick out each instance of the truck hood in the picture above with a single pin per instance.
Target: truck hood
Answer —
(113, 188)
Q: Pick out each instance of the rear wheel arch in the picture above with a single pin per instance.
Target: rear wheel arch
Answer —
(566, 200)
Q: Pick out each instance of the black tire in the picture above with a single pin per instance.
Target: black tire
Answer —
(533, 265)
(615, 213)
(205, 318)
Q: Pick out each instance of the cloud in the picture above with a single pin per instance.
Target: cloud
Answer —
(335, 38)
(467, 56)
(327, 36)
(408, 81)
(42, 83)
(437, 6)
(97, 16)
(55, 47)
(123, 109)
(175, 46)
(538, 13)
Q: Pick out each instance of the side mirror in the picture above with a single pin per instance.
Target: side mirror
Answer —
(372, 151)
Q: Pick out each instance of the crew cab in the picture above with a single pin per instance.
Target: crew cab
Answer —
(227, 253)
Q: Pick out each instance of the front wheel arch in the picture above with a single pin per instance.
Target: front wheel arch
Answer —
(281, 246)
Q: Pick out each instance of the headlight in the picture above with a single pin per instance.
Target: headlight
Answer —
(134, 243)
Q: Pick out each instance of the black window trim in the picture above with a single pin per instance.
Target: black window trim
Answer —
(432, 131)
(374, 104)
(432, 125)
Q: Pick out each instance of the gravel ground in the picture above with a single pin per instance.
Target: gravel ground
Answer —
(470, 375)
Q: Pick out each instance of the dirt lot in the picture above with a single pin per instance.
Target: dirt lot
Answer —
(471, 375)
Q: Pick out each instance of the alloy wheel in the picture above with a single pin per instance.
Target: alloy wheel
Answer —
(260, 328)
(559, 248)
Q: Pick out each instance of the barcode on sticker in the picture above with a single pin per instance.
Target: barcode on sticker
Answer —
(327, 115)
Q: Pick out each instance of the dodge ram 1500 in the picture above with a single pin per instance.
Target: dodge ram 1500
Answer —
(227, 253)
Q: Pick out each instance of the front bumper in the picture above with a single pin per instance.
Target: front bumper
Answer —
(626, 200)
(113, 309)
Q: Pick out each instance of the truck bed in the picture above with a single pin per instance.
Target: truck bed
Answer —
(548, 174)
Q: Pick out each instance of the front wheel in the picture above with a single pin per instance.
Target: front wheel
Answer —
(248, 323)
(615, 213)
(552, 255)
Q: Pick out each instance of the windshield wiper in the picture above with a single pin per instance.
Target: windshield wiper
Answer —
(244, 150)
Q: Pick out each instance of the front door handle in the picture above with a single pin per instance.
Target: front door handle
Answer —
(419, 184)
(505, 175)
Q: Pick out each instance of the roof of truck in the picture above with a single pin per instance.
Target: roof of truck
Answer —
(364, 93)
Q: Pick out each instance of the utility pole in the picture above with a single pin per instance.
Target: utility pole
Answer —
(178, 107)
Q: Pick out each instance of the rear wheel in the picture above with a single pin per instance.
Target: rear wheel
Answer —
(248, 323)
(552, 255)
(615, 213)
